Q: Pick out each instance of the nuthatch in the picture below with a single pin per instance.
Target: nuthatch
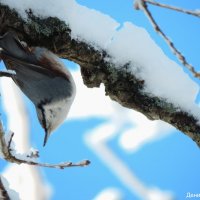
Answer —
(42, 78)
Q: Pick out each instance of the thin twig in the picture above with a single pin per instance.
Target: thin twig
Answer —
(10, 140)
(6, 150)
(189, 12)
(6, 74)
(142, 5)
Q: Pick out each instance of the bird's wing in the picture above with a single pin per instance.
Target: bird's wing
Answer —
(18, 65)
(33, 79)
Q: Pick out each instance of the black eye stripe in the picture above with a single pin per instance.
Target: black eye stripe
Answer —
(41, 107)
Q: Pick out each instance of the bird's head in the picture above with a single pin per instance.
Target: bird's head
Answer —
(52, 114)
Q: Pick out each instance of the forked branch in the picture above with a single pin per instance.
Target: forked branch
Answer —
(8, 155)
(142, 5)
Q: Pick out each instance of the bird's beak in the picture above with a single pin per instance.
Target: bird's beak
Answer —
(46, 137)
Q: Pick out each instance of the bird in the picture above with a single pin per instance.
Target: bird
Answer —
(42, 77)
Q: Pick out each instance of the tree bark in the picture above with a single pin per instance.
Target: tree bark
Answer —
(120, 85)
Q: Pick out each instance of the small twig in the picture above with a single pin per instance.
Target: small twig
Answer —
(142, 5)
(6, 74)
(3, 192)
(189, 12)
(10, 140)
(7, 153)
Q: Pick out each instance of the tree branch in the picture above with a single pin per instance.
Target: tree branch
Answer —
(142, 5)
(120, 85)
(8, 154)
(189, 12)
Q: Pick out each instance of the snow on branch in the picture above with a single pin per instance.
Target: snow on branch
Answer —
(132, 76)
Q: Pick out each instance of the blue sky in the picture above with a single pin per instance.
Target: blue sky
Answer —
(170, 164)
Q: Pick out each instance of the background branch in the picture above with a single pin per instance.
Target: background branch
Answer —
(142, 5)
(189, 12)
(120, 85)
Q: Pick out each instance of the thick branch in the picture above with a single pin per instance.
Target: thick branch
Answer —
(120, 85)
